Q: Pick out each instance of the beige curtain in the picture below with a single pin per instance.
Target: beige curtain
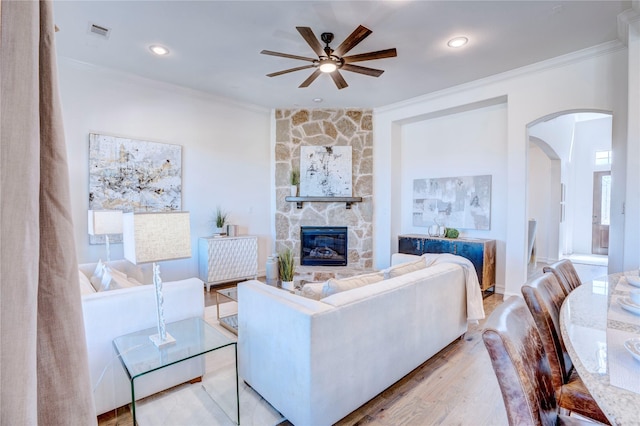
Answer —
(44, 372)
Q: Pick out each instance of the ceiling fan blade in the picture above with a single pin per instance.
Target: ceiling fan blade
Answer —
(311, 39)
(311, 78)
(350, 42)
(362, 70)
(304, 67)
(379, 54)
(338, 79)
(286, 55)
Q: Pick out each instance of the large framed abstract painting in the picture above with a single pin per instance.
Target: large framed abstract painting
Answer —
(325, 171)
(456, 202)
(133, 175)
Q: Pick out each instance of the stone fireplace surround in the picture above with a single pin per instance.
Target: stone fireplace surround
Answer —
(326, 127)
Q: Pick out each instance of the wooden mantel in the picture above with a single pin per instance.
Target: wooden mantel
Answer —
(347, 200)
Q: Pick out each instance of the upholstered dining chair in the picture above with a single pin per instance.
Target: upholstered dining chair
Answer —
(522, 368)
(544, 296)
(565, 273)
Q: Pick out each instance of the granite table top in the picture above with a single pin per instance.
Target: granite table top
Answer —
(594, 328)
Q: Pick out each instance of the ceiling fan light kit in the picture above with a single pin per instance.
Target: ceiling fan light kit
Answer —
(328, 65)
(331, 61)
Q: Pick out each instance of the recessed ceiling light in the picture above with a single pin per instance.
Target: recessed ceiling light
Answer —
(457, 42)
(159, 50)
(317, 100)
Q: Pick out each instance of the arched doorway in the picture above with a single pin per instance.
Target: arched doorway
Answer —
(569, 165)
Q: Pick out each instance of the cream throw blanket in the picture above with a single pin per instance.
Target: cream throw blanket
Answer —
(475, 307)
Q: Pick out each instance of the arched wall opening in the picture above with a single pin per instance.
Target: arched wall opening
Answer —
(561, 190)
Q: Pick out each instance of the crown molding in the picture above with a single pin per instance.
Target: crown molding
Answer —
(626, 18)
(161, 85)
(559, 61)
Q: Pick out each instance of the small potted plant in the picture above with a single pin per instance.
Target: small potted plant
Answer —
(220, 219)
(287, 269)
(294, 180)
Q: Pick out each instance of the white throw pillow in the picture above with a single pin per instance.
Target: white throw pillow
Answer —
(113, 279)
(128, 268)
(333, 286)
(85, 285)
(312, 290)
(96, 278)
(404, 268)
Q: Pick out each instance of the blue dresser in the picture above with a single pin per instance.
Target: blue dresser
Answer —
(481, 252)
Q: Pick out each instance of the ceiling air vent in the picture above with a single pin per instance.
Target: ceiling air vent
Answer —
(99, 30)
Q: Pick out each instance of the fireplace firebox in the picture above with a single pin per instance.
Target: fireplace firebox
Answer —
(323, 245)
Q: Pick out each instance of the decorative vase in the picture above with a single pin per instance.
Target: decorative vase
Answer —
(294, 190)
(232, 230)
(272, 274)
(288, 285)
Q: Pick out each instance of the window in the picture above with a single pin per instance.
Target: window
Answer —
(603, 158)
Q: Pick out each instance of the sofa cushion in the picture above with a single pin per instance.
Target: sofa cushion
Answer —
(333, 286)
(397, 258)
(85, 284)
(313, 290)
(132, 271)
(404, 268)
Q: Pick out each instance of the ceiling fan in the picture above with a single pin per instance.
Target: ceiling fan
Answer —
(331, 61)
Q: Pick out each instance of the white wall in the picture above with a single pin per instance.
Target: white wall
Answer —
(541, 172)
(590, 79)
(226, 151)
(467, 143)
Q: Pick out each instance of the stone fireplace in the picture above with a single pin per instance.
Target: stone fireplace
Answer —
(323, 245)
(326, 127)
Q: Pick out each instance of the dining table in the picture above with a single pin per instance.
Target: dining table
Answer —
(596, 319)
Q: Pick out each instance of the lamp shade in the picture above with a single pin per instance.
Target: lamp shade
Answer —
(104, 222)
(154, 237)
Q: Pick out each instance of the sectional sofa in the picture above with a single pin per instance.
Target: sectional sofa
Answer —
(316, 361)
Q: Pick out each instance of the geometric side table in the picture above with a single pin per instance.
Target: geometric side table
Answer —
(224, 259)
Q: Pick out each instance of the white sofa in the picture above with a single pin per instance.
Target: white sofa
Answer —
(317, 361)
(109, 314)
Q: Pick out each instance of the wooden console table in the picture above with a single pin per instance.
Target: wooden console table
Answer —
(481, 252)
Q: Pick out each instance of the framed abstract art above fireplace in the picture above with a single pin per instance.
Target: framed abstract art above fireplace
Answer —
(462, 202)
(325, 171)
(133, 175)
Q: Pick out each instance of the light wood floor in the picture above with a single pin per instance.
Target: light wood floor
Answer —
(455, 387)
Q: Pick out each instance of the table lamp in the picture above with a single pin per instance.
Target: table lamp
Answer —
(105, 222)
(156, 237)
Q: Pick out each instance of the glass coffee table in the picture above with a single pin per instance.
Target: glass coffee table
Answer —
(229, 321)
(194, 337)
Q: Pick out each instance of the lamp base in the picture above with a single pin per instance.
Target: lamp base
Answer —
(162, 343)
